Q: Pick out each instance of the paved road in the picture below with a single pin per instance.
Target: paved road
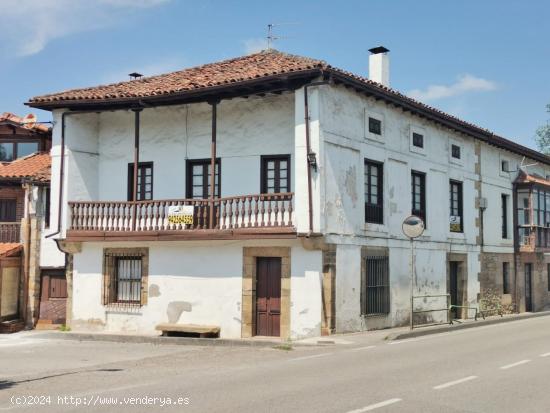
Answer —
(500, 368)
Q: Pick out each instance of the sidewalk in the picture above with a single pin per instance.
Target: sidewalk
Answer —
(398, 333)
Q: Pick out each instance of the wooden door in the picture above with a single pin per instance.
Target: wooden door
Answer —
(53, 300)
(528, 288)
(453, 287)
(268, 297)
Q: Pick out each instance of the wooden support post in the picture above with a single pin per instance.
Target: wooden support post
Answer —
(136, 111)
(213, 165)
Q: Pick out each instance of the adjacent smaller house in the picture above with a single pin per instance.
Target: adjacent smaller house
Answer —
(24, 212)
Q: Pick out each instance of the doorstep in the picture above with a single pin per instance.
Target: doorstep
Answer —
(192, 341)
(402, 333)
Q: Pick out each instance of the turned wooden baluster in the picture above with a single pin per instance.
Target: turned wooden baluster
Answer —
(224, 213)
(269, 210)
(230, 221)
(72, 207)
(249, 201)
(217, 207)
(283, 210)
(290, 211)
(256, 210)
(277, 198)
(243, 212)
(262, 210)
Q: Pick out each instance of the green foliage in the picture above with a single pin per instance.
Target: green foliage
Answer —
(64, 327)
(285, 347)
(543, 136)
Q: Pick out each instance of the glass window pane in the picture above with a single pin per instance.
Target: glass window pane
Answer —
(6, 152)
(26, 148)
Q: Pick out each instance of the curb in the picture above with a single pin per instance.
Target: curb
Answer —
(159, 340)
(452, 327)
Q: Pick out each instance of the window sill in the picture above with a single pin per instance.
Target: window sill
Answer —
(376, 228)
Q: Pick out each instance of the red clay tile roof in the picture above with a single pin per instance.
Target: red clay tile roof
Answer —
(525, 178)
(262, 65)
(18, 121)
(254, 66)
(36, 167)
(8, 249)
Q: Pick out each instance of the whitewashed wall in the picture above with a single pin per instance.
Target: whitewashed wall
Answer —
(346, 143)
(193, 283)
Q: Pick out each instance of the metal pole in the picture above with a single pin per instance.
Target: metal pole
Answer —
(412, 282)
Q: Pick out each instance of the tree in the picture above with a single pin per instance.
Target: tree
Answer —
(543, 136)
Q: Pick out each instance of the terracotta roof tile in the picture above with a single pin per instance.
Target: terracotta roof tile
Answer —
(17, 120)
(35, 167)
(8, 249)
(254, 66)
(525, 178)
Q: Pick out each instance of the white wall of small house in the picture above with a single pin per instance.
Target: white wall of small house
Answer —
(346, 144)
(202, 278)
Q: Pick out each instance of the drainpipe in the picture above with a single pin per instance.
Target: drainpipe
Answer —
(310, 156)
(516, 243)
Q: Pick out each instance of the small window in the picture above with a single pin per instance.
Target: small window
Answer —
(418, 195)
(144, 181)
(376, 287)
(505, 278)
(375, 126)
(374, 210)
(124, 277)
(275, 175)
(6, 152)
(504, 218)
(26, 148)
(198, 179)
(8, 210)
(455, 151)
(47, 207)
(418, 140)
(455, 197)
(504, 166)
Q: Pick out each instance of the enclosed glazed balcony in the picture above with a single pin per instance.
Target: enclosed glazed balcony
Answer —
(248, 216)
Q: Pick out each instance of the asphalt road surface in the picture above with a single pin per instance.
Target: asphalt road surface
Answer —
(499, 368)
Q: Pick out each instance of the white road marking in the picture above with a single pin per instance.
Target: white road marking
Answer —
(545, 355)
(361, 348)
(407, 340)
(519, 363)
(310, 357)
(375, 406)
(455, 382)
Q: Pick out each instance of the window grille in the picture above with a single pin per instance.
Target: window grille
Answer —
(124, 282)
(376, 291)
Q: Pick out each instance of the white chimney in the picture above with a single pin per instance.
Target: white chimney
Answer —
(379, 65)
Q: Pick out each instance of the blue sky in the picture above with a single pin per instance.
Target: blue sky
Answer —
(485, 61)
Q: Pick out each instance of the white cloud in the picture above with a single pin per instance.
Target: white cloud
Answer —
(29, 25)
(255, 45)
(464, 84)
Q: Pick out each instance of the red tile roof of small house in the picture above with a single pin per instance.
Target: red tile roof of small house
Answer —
(8, 249)
(35, 167)
(13, 119)
(525, 178)
(266, 66)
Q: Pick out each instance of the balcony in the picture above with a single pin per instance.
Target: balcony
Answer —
(10, 232)
(241, 217)
(534, 238)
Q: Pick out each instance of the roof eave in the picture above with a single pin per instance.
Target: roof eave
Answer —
(278, 82)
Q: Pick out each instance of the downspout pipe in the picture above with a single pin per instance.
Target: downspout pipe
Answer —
(309, 151)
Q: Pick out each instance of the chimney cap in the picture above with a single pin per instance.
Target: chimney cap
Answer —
(135, 75)
(378, 50)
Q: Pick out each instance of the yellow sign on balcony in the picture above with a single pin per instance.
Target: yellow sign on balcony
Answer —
(181, 214)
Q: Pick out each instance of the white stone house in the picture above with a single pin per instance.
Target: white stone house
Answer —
(302, 234)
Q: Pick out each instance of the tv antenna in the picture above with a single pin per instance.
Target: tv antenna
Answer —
(271, 37)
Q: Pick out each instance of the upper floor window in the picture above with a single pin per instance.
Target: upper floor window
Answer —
(418, 140)
(455, 151)
(375, 126)
(10, 151)
(374, 211)
(418, 192)
(504, 166)
(198, 179)
(8, 210)
(275, 175)
(455, 195)
(504, 206)
(144, 181)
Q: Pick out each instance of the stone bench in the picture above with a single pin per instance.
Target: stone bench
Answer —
(188, 329)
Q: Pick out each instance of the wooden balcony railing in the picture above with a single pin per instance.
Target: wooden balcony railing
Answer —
(248, 211)
(10, 232)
